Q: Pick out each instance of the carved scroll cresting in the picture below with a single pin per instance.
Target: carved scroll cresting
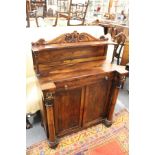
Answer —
(73, 37)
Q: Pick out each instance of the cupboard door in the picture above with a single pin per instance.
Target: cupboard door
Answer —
(67, 110)
(96, 97)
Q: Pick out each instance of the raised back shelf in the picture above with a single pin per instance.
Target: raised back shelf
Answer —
(66, 50)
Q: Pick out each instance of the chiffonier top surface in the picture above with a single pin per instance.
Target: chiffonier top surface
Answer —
(69, 45)
(83, 69)
(80, 71)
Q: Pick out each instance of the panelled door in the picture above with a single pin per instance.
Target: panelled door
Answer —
(80, 107)
(96, 96)
(67, 110)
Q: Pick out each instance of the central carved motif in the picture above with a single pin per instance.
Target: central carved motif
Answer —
(77, 37)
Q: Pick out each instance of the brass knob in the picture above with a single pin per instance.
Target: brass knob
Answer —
(66, 87)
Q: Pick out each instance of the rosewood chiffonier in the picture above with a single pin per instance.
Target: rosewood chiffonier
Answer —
(79, 86)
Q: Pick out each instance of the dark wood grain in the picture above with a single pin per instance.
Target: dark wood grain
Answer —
(95, 100)
(67, 110)
(80, 88)
(125, 55)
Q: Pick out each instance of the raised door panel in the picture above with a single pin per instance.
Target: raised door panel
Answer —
(96, 97)
(67, 111)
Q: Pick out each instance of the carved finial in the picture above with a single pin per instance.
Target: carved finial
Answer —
(120, 79)
(49, 99)
(78, 37)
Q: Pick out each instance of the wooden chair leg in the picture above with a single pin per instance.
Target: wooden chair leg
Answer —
(36, 19)
(118, 60)
(28, 21)
(112, 59)
(122, 85)
(113, 55)
(68, 22)
(119, 55)
(56, 20)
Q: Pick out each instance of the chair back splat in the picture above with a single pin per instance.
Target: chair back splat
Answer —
(120, 40)
(75, 15)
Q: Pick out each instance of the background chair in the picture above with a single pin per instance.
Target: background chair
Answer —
(119, 39)
(34, 10)
(75, 14)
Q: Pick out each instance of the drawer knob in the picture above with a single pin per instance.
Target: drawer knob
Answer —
(106, 78)
(66, 87)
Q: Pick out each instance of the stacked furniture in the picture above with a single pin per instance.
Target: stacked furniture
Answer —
(79, 86)
(35, 9)
(74, 13)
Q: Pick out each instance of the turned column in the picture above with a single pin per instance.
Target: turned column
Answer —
(49, 102)
(116, 85)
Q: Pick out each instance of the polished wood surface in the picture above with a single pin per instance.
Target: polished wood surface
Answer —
(67, 110)
(114, 27)
(95, 102)
(125, 55)
(66, 50)
(77, 94)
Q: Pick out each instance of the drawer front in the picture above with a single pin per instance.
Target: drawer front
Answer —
(80, 82)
